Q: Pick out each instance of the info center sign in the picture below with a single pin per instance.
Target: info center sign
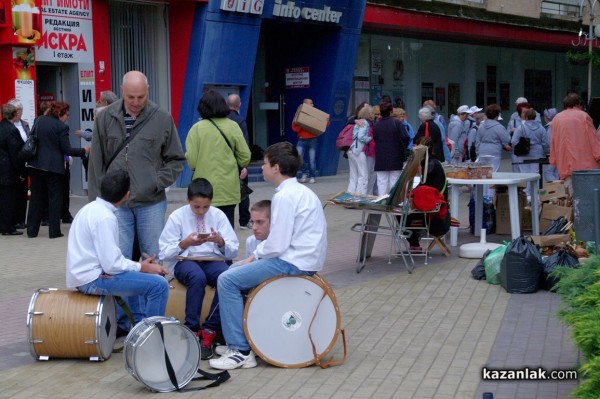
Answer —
(67, 32)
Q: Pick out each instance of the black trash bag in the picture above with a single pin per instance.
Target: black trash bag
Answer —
(521, 267)
(478, 271)
(556, 226)
(562, 257)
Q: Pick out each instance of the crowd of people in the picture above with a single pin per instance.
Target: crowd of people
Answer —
(136, 154)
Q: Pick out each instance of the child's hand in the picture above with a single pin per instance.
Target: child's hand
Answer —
(215, 237)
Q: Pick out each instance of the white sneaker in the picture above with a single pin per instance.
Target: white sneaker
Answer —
(233, 359)
(312, 180)
(221, 350)
(303, 178)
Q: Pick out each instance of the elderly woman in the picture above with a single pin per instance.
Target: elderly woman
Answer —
(357, 157)
(11, 169)
(428, 128)
(539, 144)
(491, 139)
(216, 150)
(22, 185)
(391, 140)
(47, 168)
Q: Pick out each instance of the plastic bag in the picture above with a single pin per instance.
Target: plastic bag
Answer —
(492, 264)
(556, 226)
(562, 257)
(521, 267)
(478, 271)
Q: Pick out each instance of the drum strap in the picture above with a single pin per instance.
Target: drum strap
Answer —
(318, 358)
(217, 378)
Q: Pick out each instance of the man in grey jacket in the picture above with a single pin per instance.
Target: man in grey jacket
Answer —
(135, 135)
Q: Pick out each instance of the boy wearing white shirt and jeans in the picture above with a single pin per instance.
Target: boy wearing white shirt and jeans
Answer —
(95, 264)
(199, 231)
(296, 245)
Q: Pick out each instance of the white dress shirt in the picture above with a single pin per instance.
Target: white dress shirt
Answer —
(298, 233)
(93, 245)
(182, 223)
(251, 244)
(19, 126)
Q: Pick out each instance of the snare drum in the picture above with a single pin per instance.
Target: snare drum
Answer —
(69, 324)
(176, 302)
(144, 353)
(278, 315)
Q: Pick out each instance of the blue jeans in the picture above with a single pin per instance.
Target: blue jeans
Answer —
(237, 279)
(195, 275)
(152, 288)
(148, 221)
(309, 145)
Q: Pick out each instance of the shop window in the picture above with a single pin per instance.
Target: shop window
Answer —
(569, 8)
(538, 88)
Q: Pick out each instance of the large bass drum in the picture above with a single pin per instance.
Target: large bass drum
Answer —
(144, 353)
(69, 324)
(282, 316)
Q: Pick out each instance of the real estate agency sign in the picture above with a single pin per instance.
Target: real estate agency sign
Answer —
(66, 32)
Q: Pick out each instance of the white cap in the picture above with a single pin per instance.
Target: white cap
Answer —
(500, 118)
(463, 109)
(475, 108)
(521, 100)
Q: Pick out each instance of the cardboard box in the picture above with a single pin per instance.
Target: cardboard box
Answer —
(551, 240)
(311, 119)
(552, 212)
(552, 190)
(503, 212)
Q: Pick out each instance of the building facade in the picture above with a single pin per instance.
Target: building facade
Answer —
(274, 53)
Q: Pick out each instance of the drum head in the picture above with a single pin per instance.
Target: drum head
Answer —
(144, 353)
(278, 314)
(106, 330)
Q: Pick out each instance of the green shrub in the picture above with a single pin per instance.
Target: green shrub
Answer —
(580, 309)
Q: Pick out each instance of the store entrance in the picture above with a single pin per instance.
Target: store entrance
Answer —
(60, 82)
(283, 46)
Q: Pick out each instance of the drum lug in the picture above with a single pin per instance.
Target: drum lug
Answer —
(44, 358)
(90, 342)
(37, 313)
(36, 341)
(91, 313)
(94, 359)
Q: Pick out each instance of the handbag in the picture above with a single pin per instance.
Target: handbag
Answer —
(29, 149)
(523, 146)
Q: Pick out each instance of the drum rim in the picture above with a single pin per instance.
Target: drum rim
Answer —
(133, 370)
(321, 282)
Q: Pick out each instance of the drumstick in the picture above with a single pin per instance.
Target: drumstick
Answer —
(200, 258)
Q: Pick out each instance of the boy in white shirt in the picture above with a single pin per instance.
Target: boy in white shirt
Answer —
(95, 264)
(202, 235)
(260, 215)
(296, 245)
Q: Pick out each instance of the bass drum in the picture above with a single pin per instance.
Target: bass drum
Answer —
(278, 317)
(69, 324)
(144, 353)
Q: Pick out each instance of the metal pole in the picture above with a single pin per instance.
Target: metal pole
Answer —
(590, 40)
(597, 220)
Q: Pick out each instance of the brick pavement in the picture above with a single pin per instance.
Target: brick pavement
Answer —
(423, 335)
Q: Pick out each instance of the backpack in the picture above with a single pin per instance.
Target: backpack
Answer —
(344, 139)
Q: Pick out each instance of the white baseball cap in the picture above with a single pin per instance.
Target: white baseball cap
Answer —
(474, 109)
(521, 100)
(463, 109)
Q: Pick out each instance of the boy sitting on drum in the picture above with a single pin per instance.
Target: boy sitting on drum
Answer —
(196, 241)
(95, 264)
(260, 216)
(296, 245)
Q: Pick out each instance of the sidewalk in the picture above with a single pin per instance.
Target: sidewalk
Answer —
(421, 335)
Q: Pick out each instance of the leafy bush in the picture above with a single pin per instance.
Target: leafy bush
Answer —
(580, 309)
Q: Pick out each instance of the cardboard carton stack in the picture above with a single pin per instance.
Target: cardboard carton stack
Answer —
(555, 203)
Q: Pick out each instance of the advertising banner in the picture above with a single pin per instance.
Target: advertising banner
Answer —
(23, 76)
(26, 21)
(66, 31)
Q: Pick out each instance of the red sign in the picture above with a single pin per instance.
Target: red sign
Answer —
(297, 78)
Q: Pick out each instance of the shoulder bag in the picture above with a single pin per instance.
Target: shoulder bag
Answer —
(245, 191)
(29, 149)
(524, 144)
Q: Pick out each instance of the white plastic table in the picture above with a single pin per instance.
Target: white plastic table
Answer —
(511, 180)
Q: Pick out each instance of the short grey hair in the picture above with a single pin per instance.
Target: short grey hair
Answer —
(9, 111)
(16, 103)
(425, 114)
(108, 96)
